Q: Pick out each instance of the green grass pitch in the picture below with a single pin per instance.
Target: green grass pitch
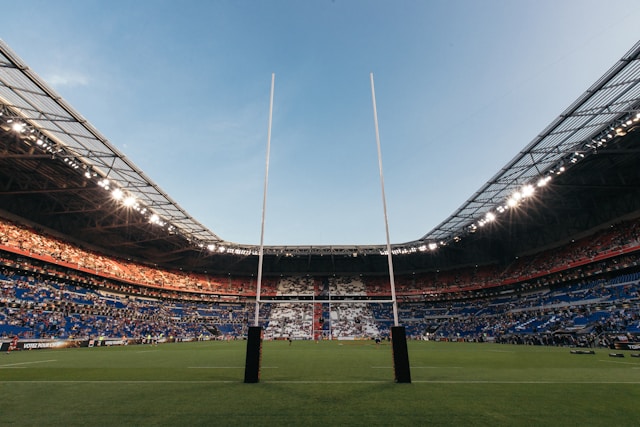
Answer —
(319, 384)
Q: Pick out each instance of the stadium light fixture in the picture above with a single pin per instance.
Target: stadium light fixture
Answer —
(117, 194)
(527, 191)
(129, 201)
(544, 181)
(17, 126)
(104, 183)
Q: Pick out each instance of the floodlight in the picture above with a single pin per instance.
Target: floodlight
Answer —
(516, 196)
(433, 246)
(527, 191)
(117, 194)
(490, 216)
(129, 201)
(543, 181)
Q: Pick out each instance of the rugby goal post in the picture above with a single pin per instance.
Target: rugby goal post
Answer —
(398, 334)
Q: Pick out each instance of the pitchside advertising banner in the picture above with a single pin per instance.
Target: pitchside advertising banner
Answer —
(57, 344)
(98, 342)
(626, 345)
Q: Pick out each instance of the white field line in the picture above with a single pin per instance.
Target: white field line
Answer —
(323, 382)
(11, 365)
(420, 367)
(621, 363)
(228, 367)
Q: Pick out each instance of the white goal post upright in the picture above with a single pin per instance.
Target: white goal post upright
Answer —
(384, 207)
(254, 333)
(401, 365)
(264, 205)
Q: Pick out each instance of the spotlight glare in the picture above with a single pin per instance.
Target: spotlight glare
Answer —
(543, 181)
(129, 201)
(18, 127)
(527, 191)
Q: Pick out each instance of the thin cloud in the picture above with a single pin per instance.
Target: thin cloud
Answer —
(67, 79)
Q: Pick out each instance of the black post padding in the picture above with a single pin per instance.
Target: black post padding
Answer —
(400, 354)
(254, 355)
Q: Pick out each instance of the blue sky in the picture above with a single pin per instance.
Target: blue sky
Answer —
(182, 89)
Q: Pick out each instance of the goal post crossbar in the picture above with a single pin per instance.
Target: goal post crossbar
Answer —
(324, 301)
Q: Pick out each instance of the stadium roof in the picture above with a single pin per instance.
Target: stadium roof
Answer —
(578, 132)
(28, 98)
(58, 171)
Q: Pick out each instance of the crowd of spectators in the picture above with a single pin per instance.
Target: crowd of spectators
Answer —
(34, 243)
(584, 291)
(338, 320)
(33, 307)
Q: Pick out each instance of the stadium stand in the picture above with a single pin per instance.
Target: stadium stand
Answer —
(560, 268)
(584, 293)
